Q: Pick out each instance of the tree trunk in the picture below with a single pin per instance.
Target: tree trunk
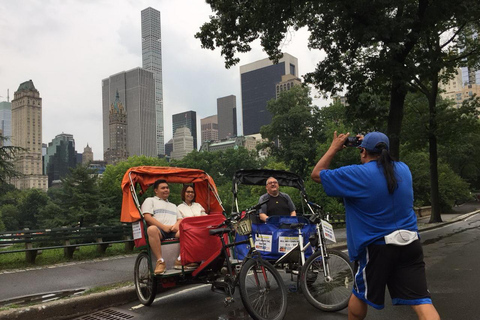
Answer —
(395, 117)
(432, 146)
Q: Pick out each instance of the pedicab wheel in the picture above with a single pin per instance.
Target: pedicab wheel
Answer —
(262, 290)
(327, 294)
(145, 282)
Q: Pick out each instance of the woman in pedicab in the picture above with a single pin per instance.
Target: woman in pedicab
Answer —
(202, 239)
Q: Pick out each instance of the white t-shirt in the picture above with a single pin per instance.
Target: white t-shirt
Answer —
(195, 210)
(164, 211)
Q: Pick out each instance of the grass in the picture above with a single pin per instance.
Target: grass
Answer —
(16, 260)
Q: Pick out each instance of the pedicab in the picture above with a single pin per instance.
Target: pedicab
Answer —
(206, 240)
(298, 245)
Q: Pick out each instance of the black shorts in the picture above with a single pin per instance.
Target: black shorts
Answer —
(400, 268)
(167, 235)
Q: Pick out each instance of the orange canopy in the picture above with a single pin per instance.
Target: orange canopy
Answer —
(145, 176)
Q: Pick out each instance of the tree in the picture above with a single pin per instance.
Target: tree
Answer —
(294, 127)
(7, 168)
(444, 43)
(371, 46)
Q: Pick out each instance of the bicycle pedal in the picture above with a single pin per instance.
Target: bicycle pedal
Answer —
(228, 301)
(295, 272)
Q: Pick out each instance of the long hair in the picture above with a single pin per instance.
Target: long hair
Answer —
(388, 164)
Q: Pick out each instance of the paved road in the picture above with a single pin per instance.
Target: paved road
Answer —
(67, 276)
(452, 272)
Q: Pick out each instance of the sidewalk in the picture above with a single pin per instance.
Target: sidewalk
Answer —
(90, 273)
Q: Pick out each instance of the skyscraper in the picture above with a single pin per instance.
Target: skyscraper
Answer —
(182, 143)
(27, 134)
(87, 155)
(6, 122)
(209, 128)
(117, 120)
(136, 92)
(258, 83)
(227, 117)
(186, 119)
(287, 83)
(60, 157)
(152, 60)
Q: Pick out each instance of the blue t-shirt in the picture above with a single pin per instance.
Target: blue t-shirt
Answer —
(371, 211)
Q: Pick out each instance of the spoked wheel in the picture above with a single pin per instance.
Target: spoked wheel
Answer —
(327, 294)
(145, 282)
(262, 290)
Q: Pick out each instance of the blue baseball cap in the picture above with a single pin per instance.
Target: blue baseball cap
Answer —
(372, 139)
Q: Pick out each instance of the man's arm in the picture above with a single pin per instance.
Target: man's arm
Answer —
(326, 159)
(151, 221)
(291, 206)
(262, 212)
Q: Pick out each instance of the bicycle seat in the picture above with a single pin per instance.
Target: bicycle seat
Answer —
(219, 231)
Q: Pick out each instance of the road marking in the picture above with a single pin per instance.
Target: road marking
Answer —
(171, 295)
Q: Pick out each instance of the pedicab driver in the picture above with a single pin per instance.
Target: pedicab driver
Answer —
(382, 235)
(163, 220)
(279, 203)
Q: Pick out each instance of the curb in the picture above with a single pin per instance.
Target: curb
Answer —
(73, 307)
(444, 223)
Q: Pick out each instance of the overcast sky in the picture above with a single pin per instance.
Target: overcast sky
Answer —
(66, 47)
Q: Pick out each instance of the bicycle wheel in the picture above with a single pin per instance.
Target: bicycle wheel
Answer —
(327, 294)
(145, 282)
(262, 290)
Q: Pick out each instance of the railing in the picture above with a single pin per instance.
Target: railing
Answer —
(67, 238)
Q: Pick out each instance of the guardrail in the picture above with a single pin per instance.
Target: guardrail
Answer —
(67, 238)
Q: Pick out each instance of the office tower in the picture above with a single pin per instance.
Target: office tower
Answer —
(169, 147)
(87, 155)
(6, 122)
(117, 120)
(27, 134)
(287, 83)
(227, 117)
(136, 93)
(60, 157)
(258, 81)
(209, 128)
(152, 60)
(186, 119)
(182, 143)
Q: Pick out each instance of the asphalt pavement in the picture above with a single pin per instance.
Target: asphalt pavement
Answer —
(71, 279)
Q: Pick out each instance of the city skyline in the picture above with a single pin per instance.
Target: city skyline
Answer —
(70, 84)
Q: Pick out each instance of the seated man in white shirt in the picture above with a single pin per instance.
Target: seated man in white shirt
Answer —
(163, 220)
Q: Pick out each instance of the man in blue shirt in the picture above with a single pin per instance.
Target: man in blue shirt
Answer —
(382, 234)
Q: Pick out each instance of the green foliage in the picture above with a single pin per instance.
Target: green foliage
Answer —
(294, 127)
(7, 167)
(29, 206)
(452, 187)
(221, 165)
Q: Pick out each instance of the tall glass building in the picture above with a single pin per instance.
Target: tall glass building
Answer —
(152, 60)
(227, 117)
(258, 81)
(6, 122)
